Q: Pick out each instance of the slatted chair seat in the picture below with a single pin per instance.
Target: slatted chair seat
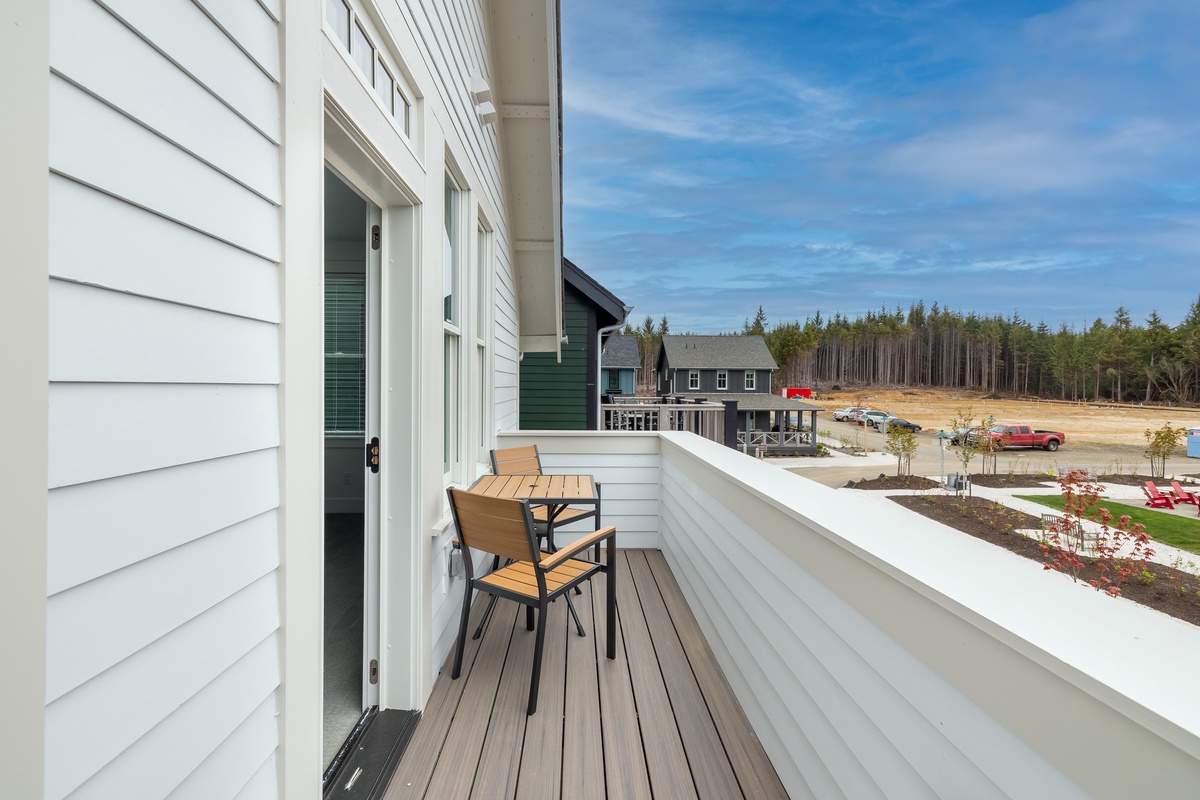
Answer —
(506, 529)
(520, 577)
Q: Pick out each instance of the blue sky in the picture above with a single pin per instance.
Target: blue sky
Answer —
(835, 155)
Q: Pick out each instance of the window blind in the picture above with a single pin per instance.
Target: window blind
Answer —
(345, 361)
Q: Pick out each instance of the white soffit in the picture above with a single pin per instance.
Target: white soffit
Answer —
(525, 87)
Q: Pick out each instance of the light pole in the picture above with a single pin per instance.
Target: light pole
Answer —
(942, 438)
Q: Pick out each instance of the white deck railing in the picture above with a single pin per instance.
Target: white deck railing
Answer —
(703, 419)
(770, 439)
(879, 654)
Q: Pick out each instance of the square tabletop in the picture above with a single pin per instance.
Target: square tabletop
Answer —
(550, 488)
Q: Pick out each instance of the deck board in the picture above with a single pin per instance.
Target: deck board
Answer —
(659, 721)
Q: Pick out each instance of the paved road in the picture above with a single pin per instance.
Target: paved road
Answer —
(837, 471)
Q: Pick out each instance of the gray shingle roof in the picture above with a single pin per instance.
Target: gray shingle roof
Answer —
(717, 352)
(762, 401)
(620, 352)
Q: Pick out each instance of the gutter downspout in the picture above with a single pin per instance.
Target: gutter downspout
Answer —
(599, 361)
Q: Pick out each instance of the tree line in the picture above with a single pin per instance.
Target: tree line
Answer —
(1117, 360)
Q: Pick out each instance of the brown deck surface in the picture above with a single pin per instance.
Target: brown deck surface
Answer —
(659, 721)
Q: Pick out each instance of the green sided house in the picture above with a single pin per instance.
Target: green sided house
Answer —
(564, 394)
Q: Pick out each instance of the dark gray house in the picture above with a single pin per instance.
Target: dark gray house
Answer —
(738, 368)
(710, 365)
(620, 363)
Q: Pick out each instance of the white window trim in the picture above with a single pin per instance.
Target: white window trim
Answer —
(722, 380)
(484, 366)
(749, 384)
(693, 380)
(454, 440)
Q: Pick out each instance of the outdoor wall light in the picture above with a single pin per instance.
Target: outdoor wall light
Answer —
(481, 94)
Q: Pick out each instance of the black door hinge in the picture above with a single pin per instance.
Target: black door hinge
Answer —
(373, 454)
(374, 237)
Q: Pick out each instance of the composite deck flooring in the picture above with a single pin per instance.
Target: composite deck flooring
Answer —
(658, 722)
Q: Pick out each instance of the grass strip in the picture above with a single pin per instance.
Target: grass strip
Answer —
(1166, 528)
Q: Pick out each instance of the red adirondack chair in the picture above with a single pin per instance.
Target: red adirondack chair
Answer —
(1155, 498)
(1182, 495)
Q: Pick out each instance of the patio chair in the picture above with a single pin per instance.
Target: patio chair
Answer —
(1182, 495)
(1155, 498)
(505, 528)
(526, 461)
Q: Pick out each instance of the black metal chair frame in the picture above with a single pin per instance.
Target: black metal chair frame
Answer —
(542, 565)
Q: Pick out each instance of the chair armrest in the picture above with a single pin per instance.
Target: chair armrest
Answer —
(554, 559)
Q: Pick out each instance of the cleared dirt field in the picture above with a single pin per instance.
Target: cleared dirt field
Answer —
(1104, 439)
(1086, 425)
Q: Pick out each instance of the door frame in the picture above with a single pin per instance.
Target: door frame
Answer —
(399, 582)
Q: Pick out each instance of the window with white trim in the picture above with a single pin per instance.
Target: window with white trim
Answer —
(379, 70)
(451, 332)
(483, 327)
(693, 379)
(722, 379)
(749, 380)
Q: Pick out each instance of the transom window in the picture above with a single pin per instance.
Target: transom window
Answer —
(750, 379)
(354, 34)
(693, 379)
(722, 379)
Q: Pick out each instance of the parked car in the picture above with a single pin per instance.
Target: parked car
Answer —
(903, 423)
(847, 413)
(873, 417)
(1017, 434)
(963, 435)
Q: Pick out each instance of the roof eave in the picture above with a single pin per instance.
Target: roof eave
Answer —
(527, 86)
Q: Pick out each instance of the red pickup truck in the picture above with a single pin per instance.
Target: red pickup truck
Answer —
(1014, 434)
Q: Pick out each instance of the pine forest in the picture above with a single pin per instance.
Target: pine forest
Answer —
(1115, 360)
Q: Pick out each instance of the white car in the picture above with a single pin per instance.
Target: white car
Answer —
(848, 413)
(873, 418)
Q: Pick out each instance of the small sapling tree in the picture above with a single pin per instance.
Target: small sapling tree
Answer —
(901, 443)
(1122, 547)
(963, 424)
(1160, 444)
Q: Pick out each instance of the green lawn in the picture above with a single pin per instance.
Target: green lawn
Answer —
(1166, 528)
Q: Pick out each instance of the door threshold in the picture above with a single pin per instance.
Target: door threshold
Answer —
(365, 763)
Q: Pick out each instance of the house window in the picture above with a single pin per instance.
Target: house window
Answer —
(451, 332)
(749, 420)
(483, 322)
(354, 33)
(345, 361)
(614, 380)
(362, 51)
(385, 86)
(337, 14)
(749, 380)
(693, 379)
(722, 379)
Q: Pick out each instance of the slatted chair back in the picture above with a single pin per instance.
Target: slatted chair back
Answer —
(495, 525)
(517, 461)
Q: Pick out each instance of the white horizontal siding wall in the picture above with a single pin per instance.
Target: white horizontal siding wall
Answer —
(883, 656)
(163, 537)
(507, 355)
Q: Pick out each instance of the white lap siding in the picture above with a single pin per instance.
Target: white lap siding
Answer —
(163, 608)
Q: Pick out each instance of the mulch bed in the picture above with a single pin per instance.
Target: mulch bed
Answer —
(893, 482)
(1170, 591)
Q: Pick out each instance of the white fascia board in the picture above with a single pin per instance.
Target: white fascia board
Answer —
(527, 78)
